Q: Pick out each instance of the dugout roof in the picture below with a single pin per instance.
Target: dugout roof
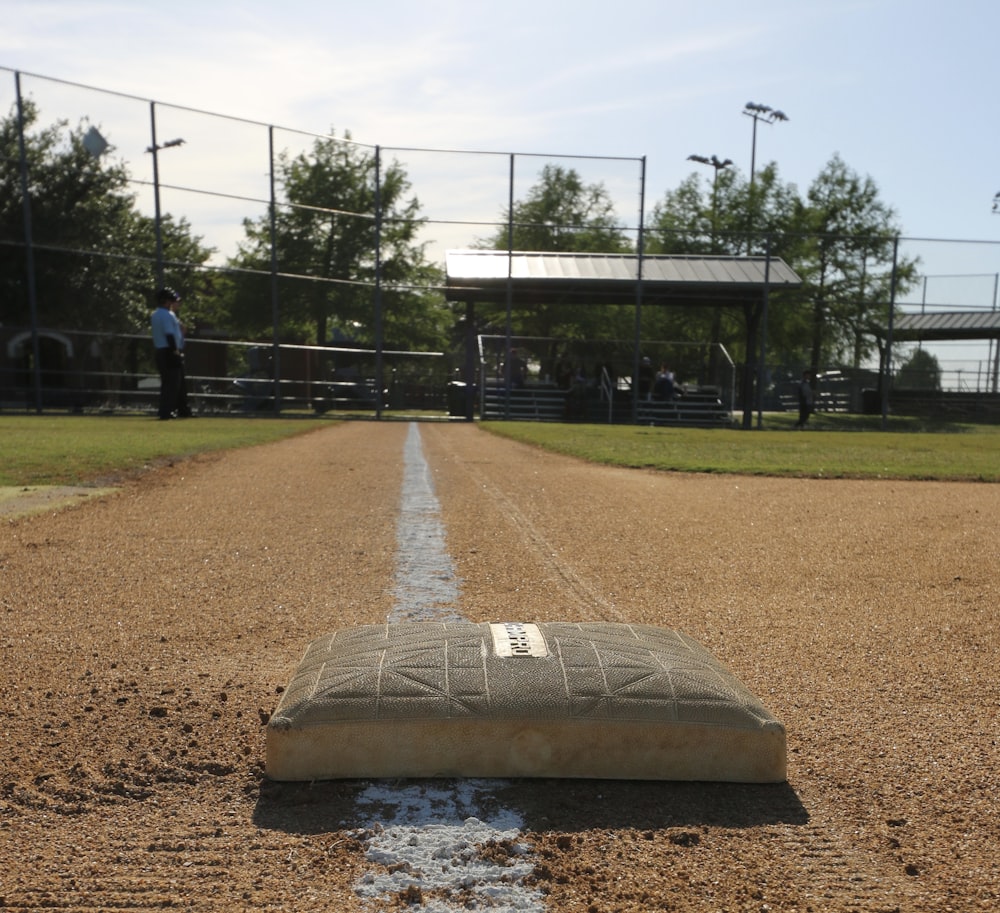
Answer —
(946, 325)
(572, 278)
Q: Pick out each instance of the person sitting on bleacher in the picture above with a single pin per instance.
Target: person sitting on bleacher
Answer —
(664, 389)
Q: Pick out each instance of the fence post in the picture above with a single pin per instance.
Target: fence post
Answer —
(762, 364)
(275, 313)
(507, 358)
(636, 354)
(29, 249)
(379, 368)
(887, 378)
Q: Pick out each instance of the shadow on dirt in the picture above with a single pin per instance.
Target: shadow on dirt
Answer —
(550, 804)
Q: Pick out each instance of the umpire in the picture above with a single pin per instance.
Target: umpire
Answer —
(169, 357)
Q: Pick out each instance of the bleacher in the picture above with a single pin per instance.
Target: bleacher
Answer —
(823, 401)
(697, 406)
(530, 403)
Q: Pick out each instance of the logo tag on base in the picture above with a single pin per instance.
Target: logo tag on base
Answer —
(512, 638)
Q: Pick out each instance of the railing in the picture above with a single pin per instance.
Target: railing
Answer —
(608, 392)
(695, 406)
(93, 372)
(530, 403)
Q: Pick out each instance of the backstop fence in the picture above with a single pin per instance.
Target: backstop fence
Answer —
(217, 174)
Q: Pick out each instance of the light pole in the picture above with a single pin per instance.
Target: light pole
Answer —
(769, 116)
(154, 148)
(718, 165)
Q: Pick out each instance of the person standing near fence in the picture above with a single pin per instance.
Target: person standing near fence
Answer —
(168, 346)
(182, 409)
(805, 400)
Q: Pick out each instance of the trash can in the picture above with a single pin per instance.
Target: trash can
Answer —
(871, 402)
(456, 398)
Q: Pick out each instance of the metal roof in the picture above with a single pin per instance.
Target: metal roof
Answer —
(944, 325)
(482, 275)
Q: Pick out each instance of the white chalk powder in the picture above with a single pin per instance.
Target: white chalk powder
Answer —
(442, 847)
(428, 842)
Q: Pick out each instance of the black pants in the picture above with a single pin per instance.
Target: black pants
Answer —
(183, 409)
(171, 368)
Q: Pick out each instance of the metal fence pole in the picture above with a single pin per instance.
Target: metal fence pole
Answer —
(887, 378)
(29, 250)
(379, 332)
(275, 313)
(508, 367)
(637, 345)
(762, 365)
(995, 343)
(154, 148)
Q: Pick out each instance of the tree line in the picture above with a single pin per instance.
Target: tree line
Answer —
(345, 217)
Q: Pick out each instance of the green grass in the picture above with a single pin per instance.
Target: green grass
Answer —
(834, 449)
(71, 450)
(66, 450)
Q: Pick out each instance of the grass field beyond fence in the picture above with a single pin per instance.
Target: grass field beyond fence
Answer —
(67, 450)
(962, 453)
(73, 450)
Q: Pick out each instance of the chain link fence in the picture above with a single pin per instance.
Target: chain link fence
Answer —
(217, 173)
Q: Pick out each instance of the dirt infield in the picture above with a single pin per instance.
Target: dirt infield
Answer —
(145, 638)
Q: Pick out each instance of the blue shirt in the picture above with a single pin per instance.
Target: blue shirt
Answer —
(164, 324)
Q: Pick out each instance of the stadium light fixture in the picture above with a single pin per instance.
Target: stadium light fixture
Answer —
(768, 115)
(718, 164)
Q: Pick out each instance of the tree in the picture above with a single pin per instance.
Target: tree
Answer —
(709, 217)
(682, 222)
(93, 251)
(840, 239)
(326, 238)
(849, 265)
(561, 213)
(921, 371)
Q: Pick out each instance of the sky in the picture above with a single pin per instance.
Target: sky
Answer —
(904, 91)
